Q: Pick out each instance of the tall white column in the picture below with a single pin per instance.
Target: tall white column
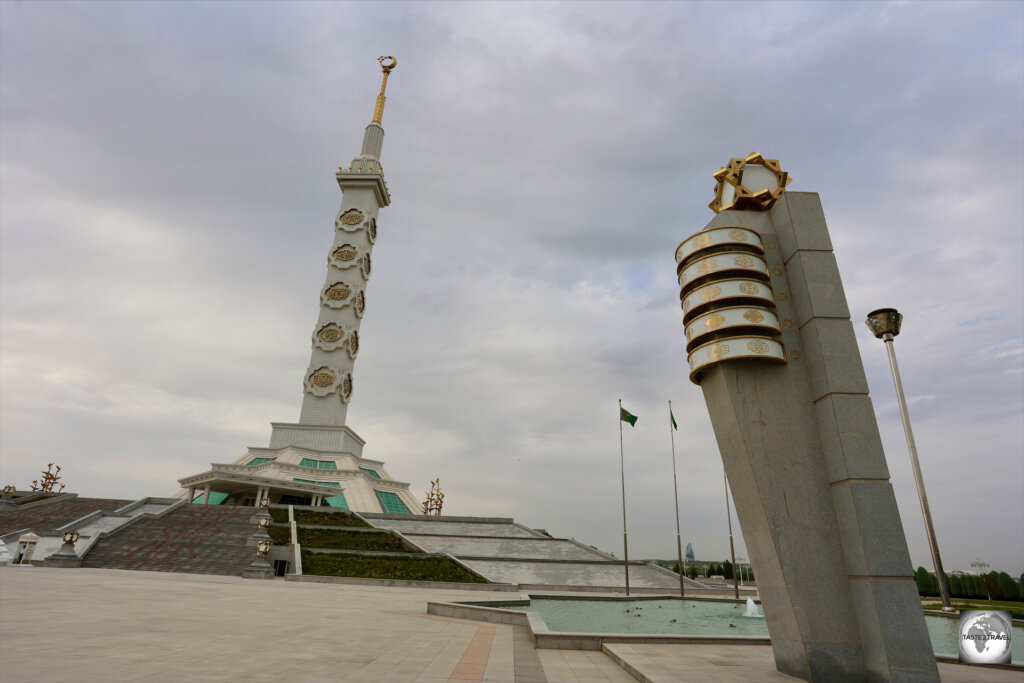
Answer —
(328, 383)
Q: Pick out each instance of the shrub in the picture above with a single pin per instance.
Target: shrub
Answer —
(408, 568)
(926, 583)
(1008, 586)
(324, 517)
(328, 518)
(323, 537)
(280, 535)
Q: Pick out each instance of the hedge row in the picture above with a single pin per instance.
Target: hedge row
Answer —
(410, 568)
(327, 517)
(340, 539)
(280, 535)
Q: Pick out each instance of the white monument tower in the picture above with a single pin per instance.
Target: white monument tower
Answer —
(318, 461)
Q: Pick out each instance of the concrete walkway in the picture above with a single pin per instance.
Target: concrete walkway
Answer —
(59, 625)
(117, 626)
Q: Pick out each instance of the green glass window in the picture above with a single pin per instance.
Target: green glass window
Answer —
(391, 503)
(372, 473)
(337, 501)
(259, 461)
(216, 498)
(319, 464)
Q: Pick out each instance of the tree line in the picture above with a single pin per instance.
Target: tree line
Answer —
(695, 569)
(990, 586)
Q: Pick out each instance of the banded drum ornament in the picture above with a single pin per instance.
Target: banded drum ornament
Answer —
(724, 323)
(717, 237)
(726, 262)
(727, 300)
(738, 348)
(726, 293)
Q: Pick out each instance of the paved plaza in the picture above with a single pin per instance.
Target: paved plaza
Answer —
(117, 626)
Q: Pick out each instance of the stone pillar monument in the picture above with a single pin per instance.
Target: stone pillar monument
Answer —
(319, 459)
(328, 380)
(771, 344)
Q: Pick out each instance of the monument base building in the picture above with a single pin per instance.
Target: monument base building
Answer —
(304, 465)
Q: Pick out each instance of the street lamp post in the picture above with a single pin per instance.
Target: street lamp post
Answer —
(885, 325)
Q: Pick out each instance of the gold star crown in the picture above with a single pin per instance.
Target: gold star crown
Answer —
(731, 193)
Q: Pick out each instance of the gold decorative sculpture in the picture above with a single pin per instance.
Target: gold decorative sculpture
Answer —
(50, 481)
(764, 183)
(323, 378)
(339, 291)
(386, 68)
(435, 499)
(351, 217)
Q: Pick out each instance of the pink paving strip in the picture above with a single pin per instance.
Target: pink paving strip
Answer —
(474, 660)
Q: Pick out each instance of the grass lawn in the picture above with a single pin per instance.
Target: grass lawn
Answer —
(974, 603)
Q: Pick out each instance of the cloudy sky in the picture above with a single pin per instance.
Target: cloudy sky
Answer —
(167, 197)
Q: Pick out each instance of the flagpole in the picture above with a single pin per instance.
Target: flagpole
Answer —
(732, 550)
(622, 470)
(675, 486)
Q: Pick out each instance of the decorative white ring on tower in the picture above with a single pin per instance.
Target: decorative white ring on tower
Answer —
(322, 381)
(359, 304)
(717, 237)
(726, 292)
(331, 337)
(734, 348)
(344, 256)
(339, 295)
(349, 219)
(716, 264)
(722, 322)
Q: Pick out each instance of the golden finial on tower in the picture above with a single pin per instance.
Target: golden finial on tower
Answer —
(386, 68)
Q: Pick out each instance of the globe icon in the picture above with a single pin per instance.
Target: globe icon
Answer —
(985, 637)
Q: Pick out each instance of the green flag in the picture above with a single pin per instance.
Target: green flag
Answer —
(673, 418)
(628, 417)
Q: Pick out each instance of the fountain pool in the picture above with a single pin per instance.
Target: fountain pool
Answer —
(668, 616)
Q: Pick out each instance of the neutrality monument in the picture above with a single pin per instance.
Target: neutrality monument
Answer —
(770, 342)
(318, 461)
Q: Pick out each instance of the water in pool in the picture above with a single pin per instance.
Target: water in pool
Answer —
(698, 617)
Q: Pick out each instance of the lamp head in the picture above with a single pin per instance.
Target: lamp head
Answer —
(885, 321)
